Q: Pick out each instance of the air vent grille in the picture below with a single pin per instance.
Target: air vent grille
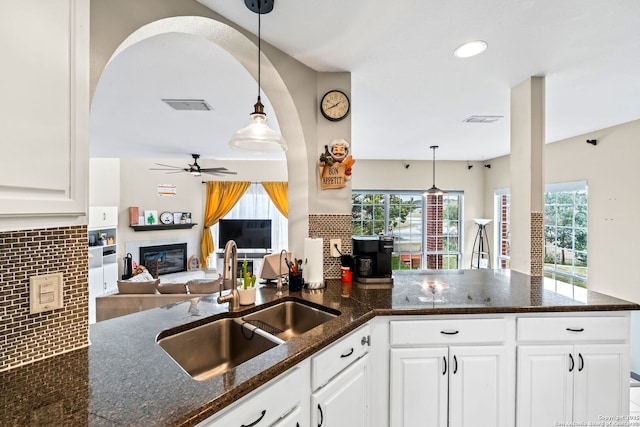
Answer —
(188, 104)
(482, 119)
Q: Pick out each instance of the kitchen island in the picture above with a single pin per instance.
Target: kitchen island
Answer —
(125, 378)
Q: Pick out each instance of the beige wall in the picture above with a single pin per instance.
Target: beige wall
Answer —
(612, 177)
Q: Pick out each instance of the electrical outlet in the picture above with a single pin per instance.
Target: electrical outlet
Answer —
(335, 252)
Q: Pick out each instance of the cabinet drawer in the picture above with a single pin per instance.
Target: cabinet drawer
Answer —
(270, 402)
(454, 331)
(103, 216)
(573, 329)
(330, 361)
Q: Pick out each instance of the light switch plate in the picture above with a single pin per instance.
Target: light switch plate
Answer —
(335, 242)
(45, 292)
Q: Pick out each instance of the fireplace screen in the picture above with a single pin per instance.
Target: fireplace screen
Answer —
(170, 258)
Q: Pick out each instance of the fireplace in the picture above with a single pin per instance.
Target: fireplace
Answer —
(170, 258)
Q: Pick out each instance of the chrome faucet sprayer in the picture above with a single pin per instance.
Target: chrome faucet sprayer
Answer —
(233, 298)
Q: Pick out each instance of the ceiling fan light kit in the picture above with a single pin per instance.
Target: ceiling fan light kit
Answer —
(258, 137)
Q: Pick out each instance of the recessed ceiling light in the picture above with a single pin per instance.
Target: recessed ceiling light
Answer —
(482, 119)
(470, 49)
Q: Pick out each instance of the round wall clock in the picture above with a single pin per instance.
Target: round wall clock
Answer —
(335, 105)
(166, 217)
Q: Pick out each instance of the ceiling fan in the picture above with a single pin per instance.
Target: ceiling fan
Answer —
(194, 168)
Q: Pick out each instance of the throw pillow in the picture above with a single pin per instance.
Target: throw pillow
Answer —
(129, 287)
(172, 288)
(203, 287)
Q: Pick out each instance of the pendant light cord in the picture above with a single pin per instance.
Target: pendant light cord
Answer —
(259, 47)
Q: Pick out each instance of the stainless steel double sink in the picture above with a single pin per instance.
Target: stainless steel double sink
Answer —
(214, 348)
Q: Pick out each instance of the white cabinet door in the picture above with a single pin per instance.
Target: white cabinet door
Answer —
(110, 277)
(478, 386)
(50, 134)
(103, 216)
(96, 285)
(544, 385)
(601, 384)
(418, 387)
(343, 402)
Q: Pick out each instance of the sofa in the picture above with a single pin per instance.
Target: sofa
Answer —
(143, 292)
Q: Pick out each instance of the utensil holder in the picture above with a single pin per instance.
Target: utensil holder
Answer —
(295, 282)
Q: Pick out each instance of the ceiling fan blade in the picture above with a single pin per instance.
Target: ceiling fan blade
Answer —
(169, 166)
(213, 169)
(166, 169)
(220, 172)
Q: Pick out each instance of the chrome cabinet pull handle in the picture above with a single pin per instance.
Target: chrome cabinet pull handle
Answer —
(321, 415)
(444, 359)
(573, 363)
(264, 411)
(449, 332)
(348, 354)
(575, 329)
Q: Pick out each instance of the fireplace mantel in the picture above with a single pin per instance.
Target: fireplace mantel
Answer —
(162, 227)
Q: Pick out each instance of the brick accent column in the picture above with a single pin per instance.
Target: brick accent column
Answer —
(434, 231)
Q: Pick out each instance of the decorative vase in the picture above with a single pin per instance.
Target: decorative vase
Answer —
(247, 296)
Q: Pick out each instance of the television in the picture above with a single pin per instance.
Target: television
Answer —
(247, 233)
(272, 266)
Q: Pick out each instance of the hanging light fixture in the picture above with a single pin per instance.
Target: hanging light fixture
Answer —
(433, 191)
(258, 137)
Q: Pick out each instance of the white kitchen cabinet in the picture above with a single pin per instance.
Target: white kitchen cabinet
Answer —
(103, 217)
(579, 381)
(283, 402)
(466, 383)
(449, 386)
(571, 384)
(343, 402)
(51, 134)
(103, 259)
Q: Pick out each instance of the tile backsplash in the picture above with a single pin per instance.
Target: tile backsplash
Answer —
(331, 226)
(25, 337)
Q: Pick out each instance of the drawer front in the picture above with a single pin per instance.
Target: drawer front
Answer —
(573, 329)
(454, 331)
(328, 363)
(270, 403)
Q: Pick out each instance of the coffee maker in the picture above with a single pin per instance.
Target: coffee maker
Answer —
(372, 256)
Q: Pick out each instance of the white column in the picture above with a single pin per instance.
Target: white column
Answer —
(527, 176)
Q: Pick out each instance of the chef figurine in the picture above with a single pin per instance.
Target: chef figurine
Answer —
(340, 154)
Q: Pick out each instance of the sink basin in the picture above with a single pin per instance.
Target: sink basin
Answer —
(214, 348)
(289, 319)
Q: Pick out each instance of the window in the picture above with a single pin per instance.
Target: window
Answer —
(565, 232)
(256, 204)
(426, 230)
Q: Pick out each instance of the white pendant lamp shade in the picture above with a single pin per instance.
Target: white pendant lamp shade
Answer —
(258, 137)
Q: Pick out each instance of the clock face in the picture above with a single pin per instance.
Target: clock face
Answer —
(166, 218)
(335, 105)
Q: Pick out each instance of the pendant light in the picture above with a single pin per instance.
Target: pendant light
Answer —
(433, 191)
(258, 137)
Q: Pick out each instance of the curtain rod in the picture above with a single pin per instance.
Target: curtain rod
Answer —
(250, 182)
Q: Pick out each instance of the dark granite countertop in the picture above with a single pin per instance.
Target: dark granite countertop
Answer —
(125, 378)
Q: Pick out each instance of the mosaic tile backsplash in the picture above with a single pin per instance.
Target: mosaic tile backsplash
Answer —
(25, 337)
(329, 227)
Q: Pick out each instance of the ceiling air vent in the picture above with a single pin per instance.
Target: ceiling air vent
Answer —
(188, 104)
(482, 119)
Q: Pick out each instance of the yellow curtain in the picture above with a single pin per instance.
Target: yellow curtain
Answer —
(277, 191)
(221, 197)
